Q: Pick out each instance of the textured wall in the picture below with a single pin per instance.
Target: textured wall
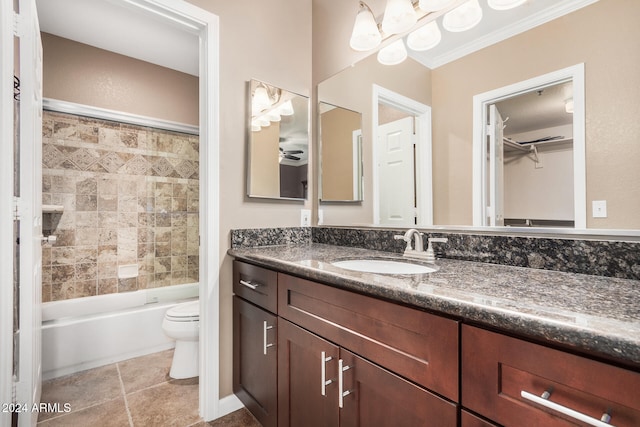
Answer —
(130, 196)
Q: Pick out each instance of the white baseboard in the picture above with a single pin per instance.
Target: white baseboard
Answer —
(229, 404)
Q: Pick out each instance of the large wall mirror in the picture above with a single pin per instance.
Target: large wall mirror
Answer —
(340, 132)
(278, 143)
(600, 35)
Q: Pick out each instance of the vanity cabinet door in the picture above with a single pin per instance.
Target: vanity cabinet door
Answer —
(307, 379)
(375, 397)
(504, 379)
(467, 419)
(255, 360)
(416, 345)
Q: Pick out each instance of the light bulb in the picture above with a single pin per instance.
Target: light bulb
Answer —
(260, 100)
(393, 54)
(365, 35)
(399, 16)
(286, 109)
(463, 17)
(425, 38)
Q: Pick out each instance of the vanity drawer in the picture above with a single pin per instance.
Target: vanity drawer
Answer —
(256, 284)
(419, 346)
(498, 372)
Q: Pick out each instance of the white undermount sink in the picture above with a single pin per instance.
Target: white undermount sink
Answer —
(384, 266)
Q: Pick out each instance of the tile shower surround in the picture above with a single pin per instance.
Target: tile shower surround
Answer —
(130, 196)
(596, 257)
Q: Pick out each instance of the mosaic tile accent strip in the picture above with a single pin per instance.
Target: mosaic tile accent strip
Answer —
(270, 237)
(596, 257)
(130, 196)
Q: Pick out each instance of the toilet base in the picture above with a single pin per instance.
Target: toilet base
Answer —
(185, 360)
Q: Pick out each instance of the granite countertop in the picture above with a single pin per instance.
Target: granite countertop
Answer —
(595, 314)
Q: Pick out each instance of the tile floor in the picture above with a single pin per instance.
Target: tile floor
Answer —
(133, 393)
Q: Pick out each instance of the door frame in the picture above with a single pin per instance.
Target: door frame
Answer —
(6, 206)
(206, 25)
(481, 102)
(423, 160)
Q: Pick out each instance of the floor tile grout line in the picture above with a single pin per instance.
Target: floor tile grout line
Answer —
(124, 396)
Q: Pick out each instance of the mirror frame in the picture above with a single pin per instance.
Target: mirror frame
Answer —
(248, 139)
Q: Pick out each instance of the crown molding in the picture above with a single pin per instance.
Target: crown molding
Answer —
(515, 28)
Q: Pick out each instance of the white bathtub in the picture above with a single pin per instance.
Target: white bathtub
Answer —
(88, 332)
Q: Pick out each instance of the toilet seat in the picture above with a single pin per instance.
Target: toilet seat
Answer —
(186, 312)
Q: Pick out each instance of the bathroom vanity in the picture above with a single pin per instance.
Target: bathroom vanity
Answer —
(468, 345)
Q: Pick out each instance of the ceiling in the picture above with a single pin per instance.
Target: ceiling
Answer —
(120, 27)
(537, 109)
(117, 26)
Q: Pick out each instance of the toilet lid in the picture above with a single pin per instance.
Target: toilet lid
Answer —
(185, 311)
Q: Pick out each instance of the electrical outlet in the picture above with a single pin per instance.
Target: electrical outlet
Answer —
(599, 208)
(320, 216)
(305, 218)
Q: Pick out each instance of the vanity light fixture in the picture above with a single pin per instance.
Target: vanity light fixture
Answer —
(393, 54)
(399, 16)
(365, 35)
(463, 17)
(402, 15)
(286, 109)
(504, 4)
(260, 100)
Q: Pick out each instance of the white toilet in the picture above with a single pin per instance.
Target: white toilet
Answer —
(182, 323)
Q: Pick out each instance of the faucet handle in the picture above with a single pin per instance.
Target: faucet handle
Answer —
(438, 240)
(404, 237)
(430, 254)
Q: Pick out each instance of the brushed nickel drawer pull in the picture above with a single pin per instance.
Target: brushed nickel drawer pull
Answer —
(341, 392)
(544, 401)
(249, 285)
(264, 335)
(323, 376)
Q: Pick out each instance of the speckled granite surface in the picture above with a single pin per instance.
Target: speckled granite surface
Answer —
(597, 257)
(588, 313)
(249, 237)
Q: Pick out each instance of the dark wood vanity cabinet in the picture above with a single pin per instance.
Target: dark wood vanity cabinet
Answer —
(343, 359)
(308, 354)
(321, 384)
(504, 378)
(255, 328)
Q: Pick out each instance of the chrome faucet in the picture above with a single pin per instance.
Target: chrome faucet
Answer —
(418, 248)
(416, 236)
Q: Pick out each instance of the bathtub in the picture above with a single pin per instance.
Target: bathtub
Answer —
(85, 333)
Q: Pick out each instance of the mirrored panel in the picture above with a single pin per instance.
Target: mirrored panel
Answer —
(611, 128)
(278, 143)
(340, 131)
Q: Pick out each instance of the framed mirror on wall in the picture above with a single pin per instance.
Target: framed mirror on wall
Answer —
(277, 142)
(607, 200)
(340, 136)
